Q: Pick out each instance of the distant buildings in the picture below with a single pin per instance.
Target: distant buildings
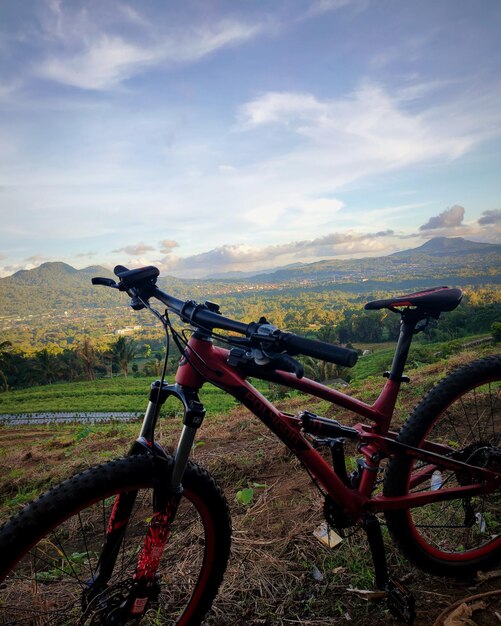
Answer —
(128, 330)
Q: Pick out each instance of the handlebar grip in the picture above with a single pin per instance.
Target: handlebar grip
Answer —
(107, 282)
(319, 350)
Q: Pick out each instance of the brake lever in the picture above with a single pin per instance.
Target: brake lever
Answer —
(286, 363)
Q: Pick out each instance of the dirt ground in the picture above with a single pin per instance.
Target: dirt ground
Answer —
(279, 574)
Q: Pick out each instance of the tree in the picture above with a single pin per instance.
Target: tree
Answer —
(153, 367)
(328, 333)
(71, 365)
(87, 353)
(5, 357)
(496, 331)
(367, 327)
(47, 365)
(123, 351)
(321, 371)
(391, 324)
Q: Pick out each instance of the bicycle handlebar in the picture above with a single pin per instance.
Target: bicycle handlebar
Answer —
(199, 315)
(140, 285)
(294, 344)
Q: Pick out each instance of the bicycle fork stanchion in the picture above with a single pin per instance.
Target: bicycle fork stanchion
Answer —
(167, 493)
(400, 600)
(166, 497)
(124, 502)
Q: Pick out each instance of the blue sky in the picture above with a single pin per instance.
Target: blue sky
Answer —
(214, 136)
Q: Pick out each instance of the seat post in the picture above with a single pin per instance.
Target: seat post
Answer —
(408, 323)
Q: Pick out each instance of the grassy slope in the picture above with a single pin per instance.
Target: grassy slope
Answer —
(116, 394)
(131, 394)
(270, 579)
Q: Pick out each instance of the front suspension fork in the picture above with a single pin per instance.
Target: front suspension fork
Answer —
(167, 493)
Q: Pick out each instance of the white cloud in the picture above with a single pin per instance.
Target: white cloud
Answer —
(104, 63)
(242, 257)
(450, 218)
(85, 255)
(167, 245)
(492, 216)
(293, 214)
(228, 169)
(318, 7)
(371, 126)
(35, 260)
(136, 250)
(280, 107)
(325, 145)
(86, 52)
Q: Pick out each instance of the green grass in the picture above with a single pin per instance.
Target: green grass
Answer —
(110, 394)
(131, 394)
(421, 353)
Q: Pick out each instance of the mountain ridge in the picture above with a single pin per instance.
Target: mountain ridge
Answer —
(57, 286)
(437, 246)
(450, 246)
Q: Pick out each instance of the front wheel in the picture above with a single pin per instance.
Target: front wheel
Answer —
(455, 537)
(50, 551)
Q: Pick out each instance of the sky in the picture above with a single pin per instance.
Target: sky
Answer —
(214, 136)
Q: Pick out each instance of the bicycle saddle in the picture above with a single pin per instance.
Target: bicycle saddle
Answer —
(435, 300)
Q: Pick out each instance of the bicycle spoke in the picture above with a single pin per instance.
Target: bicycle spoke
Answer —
(85, 544)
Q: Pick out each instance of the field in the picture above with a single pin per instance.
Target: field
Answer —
(279, 574)
(131, 394)
(115, 394)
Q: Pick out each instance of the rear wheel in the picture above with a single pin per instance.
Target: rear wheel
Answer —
(50, 551)
(463, 412)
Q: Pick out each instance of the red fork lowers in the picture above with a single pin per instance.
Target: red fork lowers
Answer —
(159, 532)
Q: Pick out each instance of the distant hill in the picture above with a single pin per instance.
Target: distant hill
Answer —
(451, 246)
(56, 272)
(58, 287)
(440, 257)
(51, 286)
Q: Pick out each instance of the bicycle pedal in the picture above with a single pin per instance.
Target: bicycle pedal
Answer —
(400, 601)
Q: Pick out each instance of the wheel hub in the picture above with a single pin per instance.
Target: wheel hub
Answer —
(105, 607)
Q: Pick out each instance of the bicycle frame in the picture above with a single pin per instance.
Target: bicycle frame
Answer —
(202, 361)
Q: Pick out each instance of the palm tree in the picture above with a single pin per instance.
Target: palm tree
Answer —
(153, 367)
(321, 371)
(47, 365)
(71, 364)
(5, 356)
(87, 353)
(123, 350)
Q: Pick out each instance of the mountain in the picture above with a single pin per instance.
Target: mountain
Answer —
(51, 286)
(440, 256)
(451, 246)
(57, 273)
(54, 288)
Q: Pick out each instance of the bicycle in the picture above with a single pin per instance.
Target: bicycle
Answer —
(146, 539)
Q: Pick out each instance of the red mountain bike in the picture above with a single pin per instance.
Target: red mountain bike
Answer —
(146, 539)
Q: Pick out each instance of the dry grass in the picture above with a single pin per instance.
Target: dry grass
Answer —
(278, 573)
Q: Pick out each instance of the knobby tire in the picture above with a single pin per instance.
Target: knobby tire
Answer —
(49, 551)
(456, 537)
